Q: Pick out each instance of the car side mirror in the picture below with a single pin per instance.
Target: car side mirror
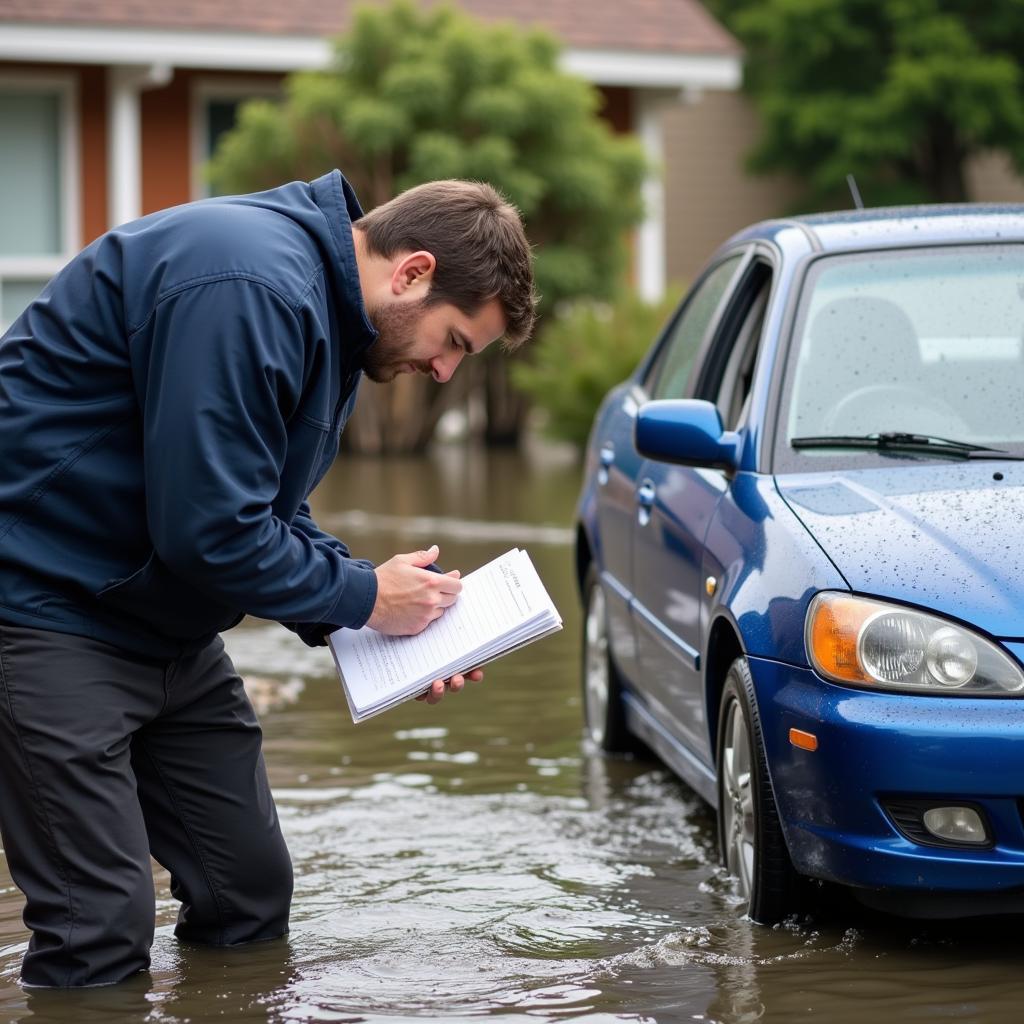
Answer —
(686, 431)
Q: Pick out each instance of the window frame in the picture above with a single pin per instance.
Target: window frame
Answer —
(203, 92)
(740, 366)
(784, 459)
(66, 88)
(754, 285)
(654, 366)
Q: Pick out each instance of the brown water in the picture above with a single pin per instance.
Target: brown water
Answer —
(472, 860)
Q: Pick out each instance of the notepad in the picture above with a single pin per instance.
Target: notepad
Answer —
(503, 606)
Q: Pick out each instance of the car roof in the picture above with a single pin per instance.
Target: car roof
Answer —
(894, 226)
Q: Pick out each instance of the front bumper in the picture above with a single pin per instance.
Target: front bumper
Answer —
(876, 746)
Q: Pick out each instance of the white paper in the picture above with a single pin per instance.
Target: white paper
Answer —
(503, 605)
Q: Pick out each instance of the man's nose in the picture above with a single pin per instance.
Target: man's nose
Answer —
(442, 367)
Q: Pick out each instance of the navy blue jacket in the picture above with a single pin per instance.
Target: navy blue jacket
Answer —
(166, 406)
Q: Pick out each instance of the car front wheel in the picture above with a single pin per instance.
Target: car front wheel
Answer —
(750, 836)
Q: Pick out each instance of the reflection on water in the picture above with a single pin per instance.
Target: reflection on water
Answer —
(473, 860)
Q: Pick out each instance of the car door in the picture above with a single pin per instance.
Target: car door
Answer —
(620, 464)
(615, 485)
(675, 505)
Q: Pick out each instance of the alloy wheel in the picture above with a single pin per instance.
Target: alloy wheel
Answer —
(596, 667)
(739, 826)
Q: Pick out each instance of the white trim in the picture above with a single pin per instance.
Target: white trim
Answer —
(655, 70)
(258, 51)
(86, 44)
(125, 85)
(649, 254)
(70, 168)
(31, 267)
(203, 91)
(66, 87)
(124, 159)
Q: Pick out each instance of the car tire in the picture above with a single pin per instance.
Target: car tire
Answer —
(751, 842)
(604, 717)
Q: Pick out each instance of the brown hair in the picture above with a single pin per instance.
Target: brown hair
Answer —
(478, 240)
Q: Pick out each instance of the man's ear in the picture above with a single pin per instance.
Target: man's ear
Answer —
(413, 271)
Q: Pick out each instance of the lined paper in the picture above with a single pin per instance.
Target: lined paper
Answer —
(503, 605)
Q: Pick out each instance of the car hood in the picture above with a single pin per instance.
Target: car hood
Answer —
(947, 537)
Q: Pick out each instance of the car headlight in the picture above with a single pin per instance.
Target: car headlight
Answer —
(879, 645)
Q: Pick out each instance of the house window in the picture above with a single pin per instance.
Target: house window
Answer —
(221, 116)
(215, 109)
(38, 203)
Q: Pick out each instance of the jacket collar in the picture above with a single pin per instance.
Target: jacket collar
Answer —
(337, 199)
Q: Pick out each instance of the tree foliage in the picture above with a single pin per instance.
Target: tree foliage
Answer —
(587, 348)
(899, 93)
(416, 94)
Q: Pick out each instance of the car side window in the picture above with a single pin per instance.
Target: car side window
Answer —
(671, 370)
(743, 325)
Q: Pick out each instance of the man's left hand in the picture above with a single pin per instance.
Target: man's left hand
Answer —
(439, 687)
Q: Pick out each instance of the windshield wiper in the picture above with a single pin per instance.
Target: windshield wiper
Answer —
(898, 441)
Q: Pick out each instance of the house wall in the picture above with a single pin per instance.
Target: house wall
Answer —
(166, 144)
(166, 141)
(167, 131)
(709, 195)
(991, 178)
(93, 151)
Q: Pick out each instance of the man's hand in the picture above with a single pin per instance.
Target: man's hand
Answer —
(410, 596)
(439, 687)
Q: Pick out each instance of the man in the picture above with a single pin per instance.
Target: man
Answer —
(166, 406)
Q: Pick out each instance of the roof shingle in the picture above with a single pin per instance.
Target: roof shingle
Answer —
(656, 26)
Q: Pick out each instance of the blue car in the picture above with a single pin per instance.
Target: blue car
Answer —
(800, 550)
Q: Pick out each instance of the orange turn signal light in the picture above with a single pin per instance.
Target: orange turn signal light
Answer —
(832, 630)
(803, 740)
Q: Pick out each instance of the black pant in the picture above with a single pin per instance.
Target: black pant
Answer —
(106, 758)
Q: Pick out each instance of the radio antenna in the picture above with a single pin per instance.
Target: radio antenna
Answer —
(855, 192)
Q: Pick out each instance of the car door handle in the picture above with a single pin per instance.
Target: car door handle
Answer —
(644, 499)
(606, 457)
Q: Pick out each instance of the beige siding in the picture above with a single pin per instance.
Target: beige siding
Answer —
(708, 192)
(992, 179)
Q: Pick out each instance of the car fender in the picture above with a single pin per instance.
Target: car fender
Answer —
(762, 568)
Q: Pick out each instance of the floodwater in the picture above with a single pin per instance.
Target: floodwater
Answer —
(472, 860)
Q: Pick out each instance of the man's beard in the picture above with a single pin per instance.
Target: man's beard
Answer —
(396, 337)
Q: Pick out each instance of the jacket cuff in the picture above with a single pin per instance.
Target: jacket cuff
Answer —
(357, 597)
(350, 611)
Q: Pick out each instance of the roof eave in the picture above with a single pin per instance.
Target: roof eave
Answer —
(252, 51)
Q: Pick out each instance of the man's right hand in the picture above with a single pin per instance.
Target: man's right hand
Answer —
(410, 596)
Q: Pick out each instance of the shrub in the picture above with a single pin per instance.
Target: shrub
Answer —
(418, 92)
(585, 349)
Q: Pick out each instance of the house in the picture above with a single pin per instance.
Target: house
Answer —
(110, 108)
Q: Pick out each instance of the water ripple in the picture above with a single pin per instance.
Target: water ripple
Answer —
(449, 528)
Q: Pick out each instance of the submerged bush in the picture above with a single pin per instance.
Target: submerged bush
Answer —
(585, 348)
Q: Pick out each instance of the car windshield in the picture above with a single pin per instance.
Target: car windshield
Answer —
(924, 342)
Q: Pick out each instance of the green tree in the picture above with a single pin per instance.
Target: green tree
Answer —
(418, 94)
(899, 93)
